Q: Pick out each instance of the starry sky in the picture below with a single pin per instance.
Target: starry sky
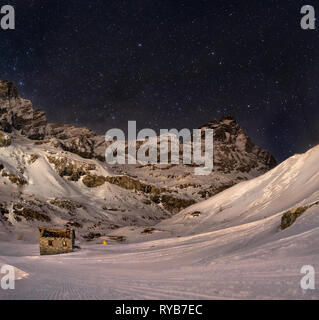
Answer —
(169, 64)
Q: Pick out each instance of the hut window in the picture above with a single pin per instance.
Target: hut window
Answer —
(50, 242)
(64, 243)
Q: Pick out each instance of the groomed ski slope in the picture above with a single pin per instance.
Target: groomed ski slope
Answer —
(234, 249)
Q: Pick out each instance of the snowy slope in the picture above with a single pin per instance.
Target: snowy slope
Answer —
(292, 184)
(96, 210)
(233, 249)
(236, 159)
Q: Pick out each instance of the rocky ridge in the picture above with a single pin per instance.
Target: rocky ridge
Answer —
(54, 174)
(233, 150)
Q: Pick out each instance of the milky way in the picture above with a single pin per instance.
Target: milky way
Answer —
(169, 64)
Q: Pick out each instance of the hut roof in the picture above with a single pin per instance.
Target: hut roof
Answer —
(56, 233)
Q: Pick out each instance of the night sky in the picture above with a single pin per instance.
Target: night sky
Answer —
(169, 64)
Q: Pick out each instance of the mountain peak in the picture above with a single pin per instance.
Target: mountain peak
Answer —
(234, 150)
(228, 117)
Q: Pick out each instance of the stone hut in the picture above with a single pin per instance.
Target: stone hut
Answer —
(56, 240)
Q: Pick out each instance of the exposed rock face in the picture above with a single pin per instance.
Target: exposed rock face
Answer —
(5, 140)
(8, 90)
(233, 150)
(236, 159)
(17, 113)
(72, 139)
(290, 217)
(32, 123)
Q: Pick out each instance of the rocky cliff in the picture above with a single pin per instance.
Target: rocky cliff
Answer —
(234, 151)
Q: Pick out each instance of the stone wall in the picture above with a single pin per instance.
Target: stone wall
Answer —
(58, 245)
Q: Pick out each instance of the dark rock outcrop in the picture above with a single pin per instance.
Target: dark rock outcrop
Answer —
(234, 151)
(17, 113)
(5, 140)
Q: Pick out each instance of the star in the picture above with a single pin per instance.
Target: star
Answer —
(175, 66)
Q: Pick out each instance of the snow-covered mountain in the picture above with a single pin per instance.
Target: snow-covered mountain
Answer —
(236, 159)
(234, 151)
(53, 174)
(291, 185)
(248, 242)
(45, 186)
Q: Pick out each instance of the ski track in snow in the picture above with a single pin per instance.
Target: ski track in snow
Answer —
(136, 271)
